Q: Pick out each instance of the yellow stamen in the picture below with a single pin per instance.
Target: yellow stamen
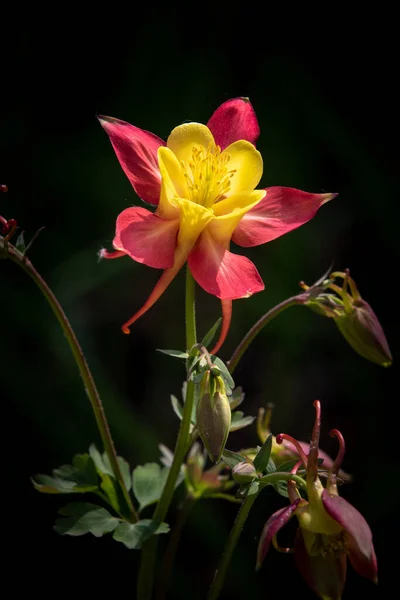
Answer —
(207, 175)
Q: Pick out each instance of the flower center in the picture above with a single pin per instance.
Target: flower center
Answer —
(333, 544)
(207, 175)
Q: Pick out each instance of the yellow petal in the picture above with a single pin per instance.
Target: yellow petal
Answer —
(193, 219)
(184, 137)
(247, 163)
(171, 183)
(230, 211)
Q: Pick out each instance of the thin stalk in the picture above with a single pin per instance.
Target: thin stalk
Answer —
(149, 552)
(238, 525)
(234, 535)
(261, 323)
(172, 548)
(190, 311)
(22, 261)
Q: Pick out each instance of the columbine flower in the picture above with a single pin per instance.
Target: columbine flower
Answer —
(285, 451)
(354, 316)
(330, 528)
(202, 181)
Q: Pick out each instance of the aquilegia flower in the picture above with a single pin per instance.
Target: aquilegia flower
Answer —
(202, 181)
(329, 527)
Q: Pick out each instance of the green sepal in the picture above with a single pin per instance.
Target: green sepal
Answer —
(226, 376)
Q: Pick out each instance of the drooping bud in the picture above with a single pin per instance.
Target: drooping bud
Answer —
(364, 333)
(213, 422)
(243, 472)
(354, 317)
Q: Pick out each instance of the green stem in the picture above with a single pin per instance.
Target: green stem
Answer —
(281, 476)
(190, 306)
(149, 552)
(172, 548)
(239, 524)
(234, 535)
(261, 323)
(88, 381)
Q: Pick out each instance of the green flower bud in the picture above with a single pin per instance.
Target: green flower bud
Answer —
(243, 472)
(213, 422)
(354, 317)
(364, 333)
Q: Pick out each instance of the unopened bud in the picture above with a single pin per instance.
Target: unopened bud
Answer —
(243, 472)
(213, 422)
(355, 318)
(364, 333)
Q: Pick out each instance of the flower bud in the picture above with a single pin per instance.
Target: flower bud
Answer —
(243, 472)
(213, 422)
(354, 317)
(364, 333)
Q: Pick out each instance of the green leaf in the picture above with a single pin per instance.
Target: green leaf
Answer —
(134, 534)
(238, 421)
(82, 471)
(98, 461)
(81, 517)
(224, 371)
(20, 243)
(54, 485)
(197, 377)
(232, 458)
(281, 488)
(178, 410)
(288, 465)
(271, 468)
(248, 489)
(208, 338)
(237, 397)
(148, 483)
(176, 405)
(108, 484)
(80, 477)
(125, 469)
(261, 460)
(253, 488)
(174, 353)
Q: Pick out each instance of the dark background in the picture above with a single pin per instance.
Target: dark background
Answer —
(327, 104)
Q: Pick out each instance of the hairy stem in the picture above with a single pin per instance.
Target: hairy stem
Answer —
(22, 261)
(230, 545)
(149, 552)
(172, 548)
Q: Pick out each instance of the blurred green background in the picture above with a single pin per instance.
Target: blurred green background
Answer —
(327, 116)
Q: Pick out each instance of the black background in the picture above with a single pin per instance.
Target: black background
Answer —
(326, 97)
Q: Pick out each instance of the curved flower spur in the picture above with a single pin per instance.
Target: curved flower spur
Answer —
(330, 528)
(202, 182)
